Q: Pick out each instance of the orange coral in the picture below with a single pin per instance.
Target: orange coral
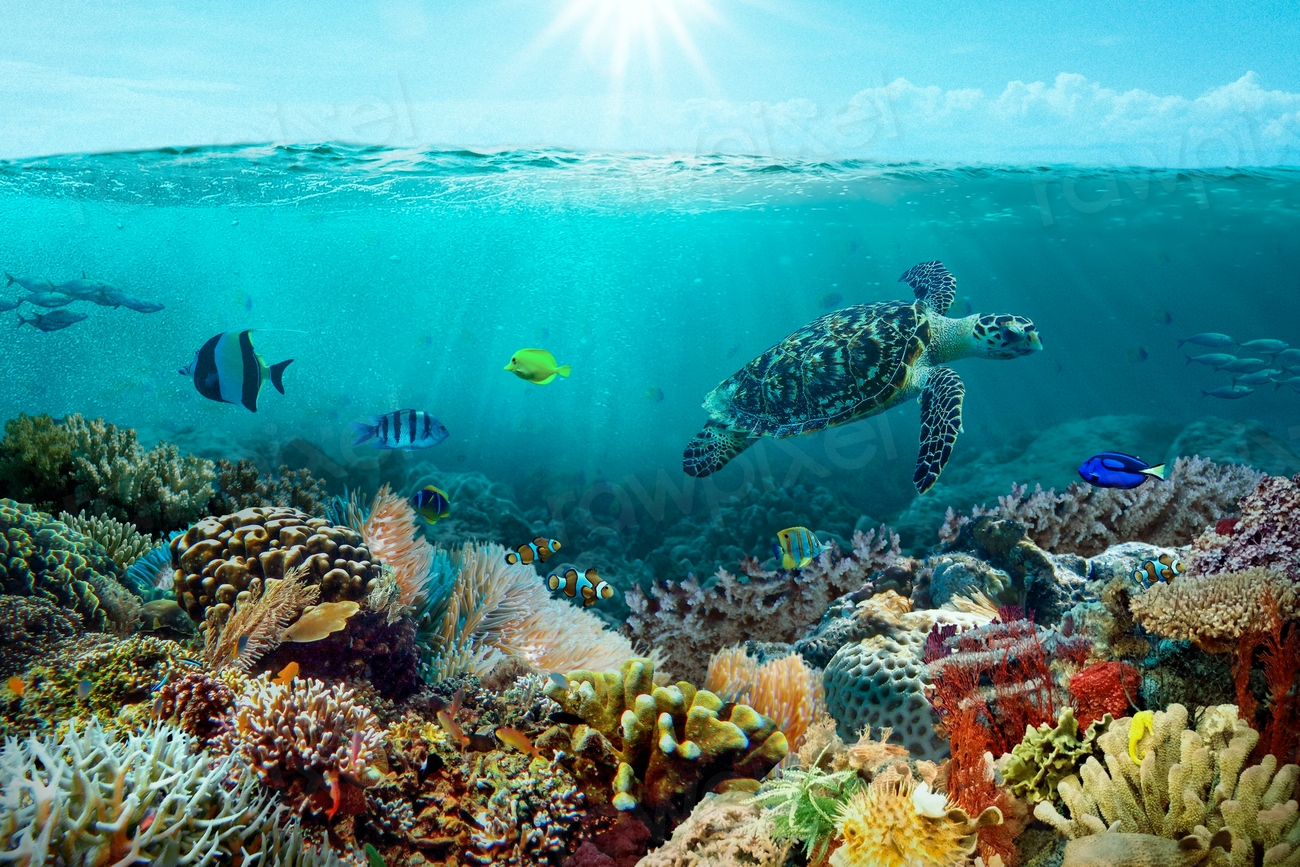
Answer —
(392, 538)
(785, 689)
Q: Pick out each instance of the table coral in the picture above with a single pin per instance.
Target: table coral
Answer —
(217, 558)
(306, 740)
(1266, 535)
(1213, 611)
(1190, 782)
(150, 798)
(670, 742)
(42, 557)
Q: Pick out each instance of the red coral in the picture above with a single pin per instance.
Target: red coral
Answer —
(1105, 688)
(1277, 648)
(1226, 526)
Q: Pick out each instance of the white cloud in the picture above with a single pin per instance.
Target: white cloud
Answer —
(1069, 120)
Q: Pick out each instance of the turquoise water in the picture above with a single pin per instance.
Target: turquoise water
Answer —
(413, 276)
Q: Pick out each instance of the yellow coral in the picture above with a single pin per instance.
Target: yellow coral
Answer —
(881, 827)
(785, 689)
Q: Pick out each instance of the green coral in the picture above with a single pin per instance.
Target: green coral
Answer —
(42, 557)
(803, 805)
(1049, 754)
(669, 742)
(78, 464)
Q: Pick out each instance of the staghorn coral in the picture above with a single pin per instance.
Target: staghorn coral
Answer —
(784, 689)
(217, 558)
(88, 798)
(668, 741)
(690, 619)
(241, 486)
(1190, 782)
(31, 627)
(306, 740)
(1086, 520)
(1104, 688)
(498, 610)
(889, 824)
(531, 816)
(44, 558)
(199, 704)
(1213, 611)
(1264, 536)
(123, 543)
(729, 828)
(1047, 755)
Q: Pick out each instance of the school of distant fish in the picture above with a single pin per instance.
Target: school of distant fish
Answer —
(53, 297)
(1250, 365)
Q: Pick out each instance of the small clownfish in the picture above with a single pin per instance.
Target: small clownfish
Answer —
(1142, 725)
(286, 674)
(16, 686)
(539, 550)
(1164, 568)
(797, 547)
(590, 585)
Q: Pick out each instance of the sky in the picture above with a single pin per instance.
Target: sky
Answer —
(1194, 84)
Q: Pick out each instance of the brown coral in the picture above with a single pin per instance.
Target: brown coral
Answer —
(1214, 611)
(691, 619)
(198, 703)
(729, 828)
(242, 486)
(217, 558)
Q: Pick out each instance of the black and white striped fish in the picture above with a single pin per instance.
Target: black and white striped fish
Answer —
(227, 369)
(402, 429)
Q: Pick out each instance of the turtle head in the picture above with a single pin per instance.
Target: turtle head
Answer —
(1001, 335)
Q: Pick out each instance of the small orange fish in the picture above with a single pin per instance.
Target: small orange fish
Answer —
(147, 821)
(453, 729)
(16, 686)
(517, 739)
(287, 674)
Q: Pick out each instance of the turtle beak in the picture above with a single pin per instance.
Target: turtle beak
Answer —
(1035, 342)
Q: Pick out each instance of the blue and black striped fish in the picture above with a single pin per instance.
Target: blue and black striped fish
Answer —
(797, 547)
(431, 503)
(402, 429)
(227, 369)
(588, 584)
(538, 549)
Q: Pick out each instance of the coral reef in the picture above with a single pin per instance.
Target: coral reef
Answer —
(1104, 688)
(729, 828)
(668, 742)
(123, 543)
(689, 620)
(1049, 754)
(1190, 782)
(306, 740)
(1086, 520)
(200, 705)
(1265, 535)
(529, 812)
(88, 798)
(216, 559)
(31, 627)
(42, 557)
(240, 485)
(784, 689)
(1213, 611)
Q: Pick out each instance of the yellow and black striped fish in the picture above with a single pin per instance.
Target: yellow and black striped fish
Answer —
(228, 370)
(1164, 568)
(797, 547)
(590, 585)
(537, 550)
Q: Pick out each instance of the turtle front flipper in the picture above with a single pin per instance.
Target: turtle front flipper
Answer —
(711, 449)
(940, 424)
(932, 283)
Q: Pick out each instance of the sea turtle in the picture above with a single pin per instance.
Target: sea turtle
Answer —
(858, 362)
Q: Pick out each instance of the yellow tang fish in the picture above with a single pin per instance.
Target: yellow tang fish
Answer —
(589, 585)
(537, 366)
(797, 547)
(539, 549)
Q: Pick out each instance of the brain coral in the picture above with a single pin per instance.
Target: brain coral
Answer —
(881, 681)
(41, 557)
(217, 557)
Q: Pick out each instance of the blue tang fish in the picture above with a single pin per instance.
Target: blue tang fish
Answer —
(431, 503)
(228, 370)
(1118, 470)
(797, 547)
(402, 429)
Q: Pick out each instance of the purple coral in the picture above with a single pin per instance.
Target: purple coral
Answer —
(1266, 535)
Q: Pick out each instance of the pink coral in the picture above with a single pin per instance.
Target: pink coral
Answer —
(1266, 535)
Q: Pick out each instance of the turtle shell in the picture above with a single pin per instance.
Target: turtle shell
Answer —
(843, 366)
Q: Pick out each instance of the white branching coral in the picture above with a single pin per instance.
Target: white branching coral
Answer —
(306, 739)
(150, 798)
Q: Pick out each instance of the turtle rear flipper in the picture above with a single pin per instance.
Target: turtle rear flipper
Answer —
(932, 283)
(940, 424)
(711, 449)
